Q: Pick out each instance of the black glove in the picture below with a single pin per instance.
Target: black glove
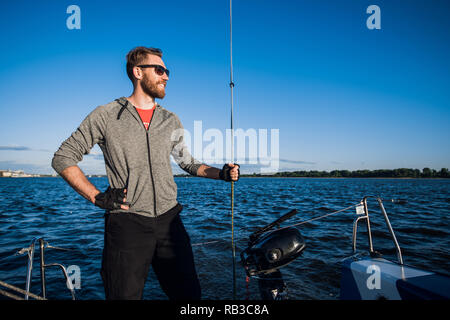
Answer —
(110, 199)
(225, 172)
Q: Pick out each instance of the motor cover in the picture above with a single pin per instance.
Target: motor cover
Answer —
(272, 251)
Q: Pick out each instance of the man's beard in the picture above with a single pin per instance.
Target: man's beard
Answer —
(152, 89)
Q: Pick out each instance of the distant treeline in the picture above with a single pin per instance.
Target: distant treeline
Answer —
(380, 173)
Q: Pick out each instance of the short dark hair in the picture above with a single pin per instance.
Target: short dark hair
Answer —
(137, 55)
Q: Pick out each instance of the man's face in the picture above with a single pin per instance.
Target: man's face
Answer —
(151, 83)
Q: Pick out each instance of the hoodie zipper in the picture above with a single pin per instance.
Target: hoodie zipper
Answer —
(151, 173)
(148, 152)
(150, 160)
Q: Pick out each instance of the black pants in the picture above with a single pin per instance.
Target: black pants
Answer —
(134, 242)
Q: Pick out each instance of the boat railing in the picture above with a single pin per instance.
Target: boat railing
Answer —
(363, 213)
(30, 252)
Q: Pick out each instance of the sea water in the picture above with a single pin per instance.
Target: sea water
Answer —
(49, 208)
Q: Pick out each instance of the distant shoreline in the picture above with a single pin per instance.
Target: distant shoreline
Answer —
(262, 177)
(282, 177)
(259, 177)
(402, 178)
(400, 173)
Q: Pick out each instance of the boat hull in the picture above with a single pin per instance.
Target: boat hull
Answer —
(380, 279)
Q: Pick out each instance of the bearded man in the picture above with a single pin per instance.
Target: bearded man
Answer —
(143, 226)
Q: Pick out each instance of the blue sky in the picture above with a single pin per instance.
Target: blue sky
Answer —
(341, 95)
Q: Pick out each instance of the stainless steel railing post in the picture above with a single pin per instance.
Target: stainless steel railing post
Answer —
(369, 232)
(394, 239)
(66, 276)
(30, 252)
(29, 268)
(355, 230)
(41, 245)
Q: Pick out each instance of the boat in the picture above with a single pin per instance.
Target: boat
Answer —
(376, 278)
(364, 276)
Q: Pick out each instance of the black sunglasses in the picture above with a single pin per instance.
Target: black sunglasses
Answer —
(160, 70)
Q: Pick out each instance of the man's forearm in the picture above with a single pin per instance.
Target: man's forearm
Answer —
(78, 181)
(208, 172)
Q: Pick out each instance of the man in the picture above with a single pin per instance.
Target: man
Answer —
(142, 222)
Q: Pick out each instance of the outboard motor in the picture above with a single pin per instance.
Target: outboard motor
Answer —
(268, 251)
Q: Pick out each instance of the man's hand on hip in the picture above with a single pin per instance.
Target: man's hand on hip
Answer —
(112, 198)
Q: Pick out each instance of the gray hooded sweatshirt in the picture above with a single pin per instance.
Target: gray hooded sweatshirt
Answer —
(135, 158)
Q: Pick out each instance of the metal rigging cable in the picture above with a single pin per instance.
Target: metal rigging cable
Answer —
(232, 151)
